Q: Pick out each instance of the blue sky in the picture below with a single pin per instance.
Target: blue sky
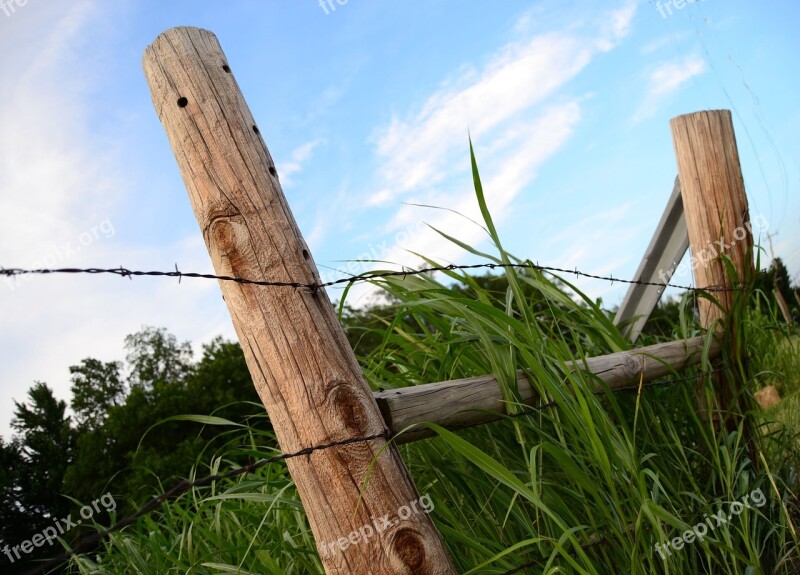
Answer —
(367, 109)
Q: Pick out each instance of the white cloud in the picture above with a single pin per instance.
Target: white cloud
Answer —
(49, 167)
(416, 152)
(294, 165)
(513, 165)
(673, 40)
(518, 77)
(62, 188)
(380, 197)
(505, 107)
(57, 183)
(665, 80)
(616, 26)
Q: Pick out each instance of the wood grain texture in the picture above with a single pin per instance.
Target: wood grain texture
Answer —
(718, 221)
(301, 363)
(666, 249)
(465, 402)
(715, 203)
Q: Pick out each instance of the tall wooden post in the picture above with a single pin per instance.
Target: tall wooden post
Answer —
(718, 220)
(300, 360)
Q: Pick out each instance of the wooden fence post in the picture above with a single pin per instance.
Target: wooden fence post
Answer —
(718, 221)
(300, 360)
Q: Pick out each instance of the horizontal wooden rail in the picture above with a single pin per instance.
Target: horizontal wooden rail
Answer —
(476, 400)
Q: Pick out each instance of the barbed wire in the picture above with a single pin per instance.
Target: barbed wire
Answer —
(88, 543)
(367, 277)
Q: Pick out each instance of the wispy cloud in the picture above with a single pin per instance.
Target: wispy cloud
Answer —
(418, 152)
(668, 40)
(58, 181)
(415, 151)
(665, 80)
(508, 168)
(49, 164)
(62, 187)
(297, 158)
(517, 119)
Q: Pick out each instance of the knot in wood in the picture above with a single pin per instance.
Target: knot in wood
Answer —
(228, 238)
(223, 235)
(410, 548)
(632, 365)
(348, 406)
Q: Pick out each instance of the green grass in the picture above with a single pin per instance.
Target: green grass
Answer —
(588, 486)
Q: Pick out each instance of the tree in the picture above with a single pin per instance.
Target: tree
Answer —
(776, 279)
(221, 383)
(45, 441)
(13, 519)
(96, 388)
(156, 357)
(124, 446)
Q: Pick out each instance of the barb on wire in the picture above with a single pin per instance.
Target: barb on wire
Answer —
(367, 277)
(89, 542)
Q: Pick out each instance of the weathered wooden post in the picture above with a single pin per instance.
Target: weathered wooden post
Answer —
(718, 220)
(300, 360)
